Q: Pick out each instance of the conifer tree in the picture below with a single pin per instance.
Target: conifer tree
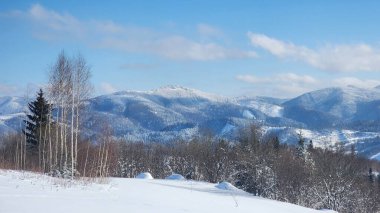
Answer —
(353, 152)
(37, 119)
(276, 143)
(370, 175)
(301, 146)
(310, 147)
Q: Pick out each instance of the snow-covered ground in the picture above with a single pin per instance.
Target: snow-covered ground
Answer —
(28, 192)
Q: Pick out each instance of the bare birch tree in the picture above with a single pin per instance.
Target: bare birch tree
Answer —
(69, 87)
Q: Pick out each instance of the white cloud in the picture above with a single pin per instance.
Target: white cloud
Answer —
(109, 27)
(291, 77)
(176, 47)
(53, 19)
(28, 90)
(51, 25)
(279, 78)
(107, 88)
(279, 48)
(252, 79)
(208, 30)
(290, 84)
(346, 81)
(188, 49)
(139, 66)
(281, 85)
(340, 58)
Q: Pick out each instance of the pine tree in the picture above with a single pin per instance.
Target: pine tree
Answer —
(301, 146)
(370, 175)
(310, 147)
(276, 144)
(353, 152)
(37, 119)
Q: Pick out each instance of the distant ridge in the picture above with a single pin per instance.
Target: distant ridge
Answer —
(338, 114)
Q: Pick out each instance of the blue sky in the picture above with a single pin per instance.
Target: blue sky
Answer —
(270, 48)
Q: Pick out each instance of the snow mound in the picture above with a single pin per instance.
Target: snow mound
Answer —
(144, 175)
(175, 177)
(226, 186)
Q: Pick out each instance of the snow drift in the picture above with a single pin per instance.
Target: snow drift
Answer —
(175, 177)
(226, 186)
(145, 175)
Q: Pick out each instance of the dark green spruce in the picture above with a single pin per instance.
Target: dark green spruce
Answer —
(37, 120)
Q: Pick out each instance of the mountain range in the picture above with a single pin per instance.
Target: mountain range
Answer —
(349, 115)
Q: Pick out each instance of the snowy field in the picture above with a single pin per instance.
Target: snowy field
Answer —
(28, 192)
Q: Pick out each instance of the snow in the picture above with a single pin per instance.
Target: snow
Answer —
(269, 106)
(28, 192)
(375, 157)
(226, 186)
(227, 128)
(10, 105)
(175, 177)
(341, 102)
(271, 110)
(11, 116)
(176, 91)
(248, 114)
(322, 138)
(144, 175)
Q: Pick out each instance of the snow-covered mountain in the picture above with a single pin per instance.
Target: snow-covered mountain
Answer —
(11, 113)
(334, 105)
(350, 115)
(169, 112)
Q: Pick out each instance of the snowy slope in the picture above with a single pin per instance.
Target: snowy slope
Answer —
(269, 106)
(11, 105)
(168, 112)
(11, 113)
(28, 192)
(365, 142)
(345, 103)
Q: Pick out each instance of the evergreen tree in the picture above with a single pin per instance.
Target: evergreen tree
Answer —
(370, 175)
(37, 119)
(301, 145)
(353, 152)
(310, 147)
(276, 144)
